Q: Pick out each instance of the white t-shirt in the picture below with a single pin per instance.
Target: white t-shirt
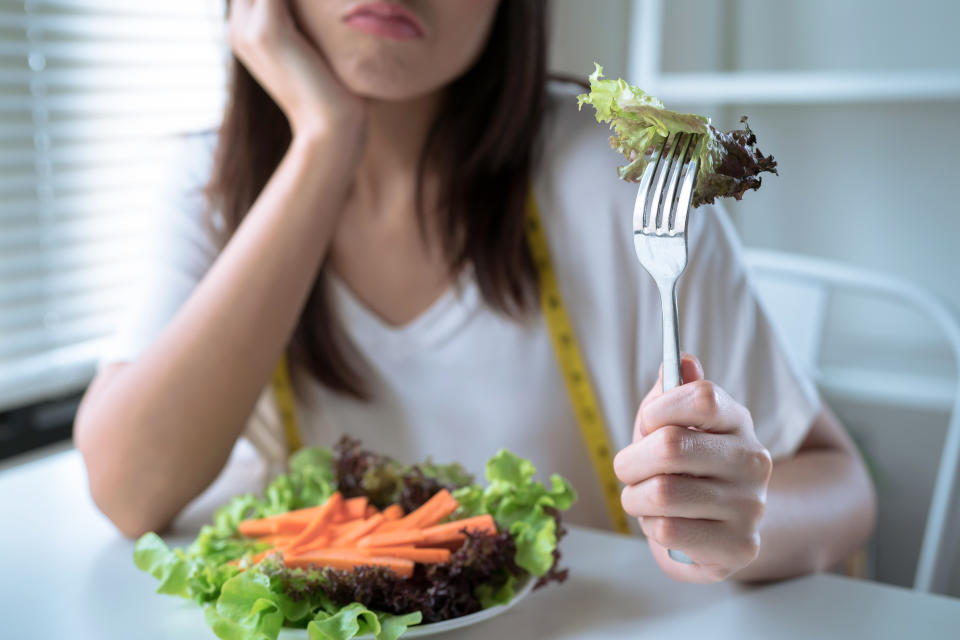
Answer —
(461, 381)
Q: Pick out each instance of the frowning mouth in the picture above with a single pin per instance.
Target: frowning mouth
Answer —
(385, 19)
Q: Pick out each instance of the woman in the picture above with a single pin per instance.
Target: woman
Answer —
(367, 188)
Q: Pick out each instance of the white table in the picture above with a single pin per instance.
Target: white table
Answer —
(66, 573)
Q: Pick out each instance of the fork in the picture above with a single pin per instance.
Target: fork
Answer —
(660, 239)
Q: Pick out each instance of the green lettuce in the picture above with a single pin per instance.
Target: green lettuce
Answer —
(246, 601)
(522, 505)
(728, 163)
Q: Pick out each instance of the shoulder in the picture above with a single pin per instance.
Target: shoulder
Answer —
(190, 162)
(574, 145)
(182, 225)
(577, 179)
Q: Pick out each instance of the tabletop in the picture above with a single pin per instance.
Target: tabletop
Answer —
(65, 572)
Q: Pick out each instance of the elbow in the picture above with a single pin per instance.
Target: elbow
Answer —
(113, 485)
(859, 521)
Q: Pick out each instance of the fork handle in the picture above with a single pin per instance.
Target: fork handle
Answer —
(671, 361)
(671, 335)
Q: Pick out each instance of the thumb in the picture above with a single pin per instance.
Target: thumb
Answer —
(690, 371)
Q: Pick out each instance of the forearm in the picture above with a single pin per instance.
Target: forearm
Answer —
(161, 430)
(820, 509)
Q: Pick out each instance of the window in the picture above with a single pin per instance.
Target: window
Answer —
(93, 94)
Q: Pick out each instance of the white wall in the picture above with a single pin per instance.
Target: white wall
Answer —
(868, 184)
(585, 32)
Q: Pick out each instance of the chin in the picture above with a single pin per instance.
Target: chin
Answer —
(382, 77)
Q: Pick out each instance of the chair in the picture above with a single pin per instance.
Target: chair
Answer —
(797, 291)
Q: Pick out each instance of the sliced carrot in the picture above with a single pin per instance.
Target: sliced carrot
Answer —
(371, 510)
(392, 539)
(441, 505)
(289, 522)
(256, 528)
(352, 509)
(320, 521)
(416, 554)
(349, 561)
(359, 530)
(291, 526)
(451, 531)
(277, 540)
(393, 512)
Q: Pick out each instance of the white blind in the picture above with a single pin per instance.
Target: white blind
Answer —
(93, 94)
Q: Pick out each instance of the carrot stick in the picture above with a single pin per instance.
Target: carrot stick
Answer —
(277, 539)
(416, 554)
(392, 539)
(451, 531)
(432, 511)
(319, 522)
(349, 561)
(362, 528)
(352, 509)
(371, 511)
(289, 522)
(393, 512)
(256, 528)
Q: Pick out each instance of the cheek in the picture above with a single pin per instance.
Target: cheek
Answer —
(462, 30)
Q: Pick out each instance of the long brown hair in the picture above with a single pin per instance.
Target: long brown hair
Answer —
(482, 146)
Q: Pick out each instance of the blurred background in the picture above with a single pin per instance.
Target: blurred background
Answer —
(859, 101)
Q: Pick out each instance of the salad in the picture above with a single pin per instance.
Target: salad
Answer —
(729, 162)
(350, 542)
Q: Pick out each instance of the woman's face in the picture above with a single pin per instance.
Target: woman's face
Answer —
(397, 50)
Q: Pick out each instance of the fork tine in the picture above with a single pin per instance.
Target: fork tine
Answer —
(640, 206)
(666, 204)
(659, 178)
(681, 206)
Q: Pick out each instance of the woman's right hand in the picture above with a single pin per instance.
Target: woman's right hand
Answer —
(266, 39)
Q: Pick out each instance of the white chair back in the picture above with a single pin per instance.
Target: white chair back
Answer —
(796, 292)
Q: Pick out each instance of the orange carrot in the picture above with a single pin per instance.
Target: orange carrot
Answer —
(359, 530)
(277, 539)
(352, 509)
(432, 511)
(371, 510)
(416, 554)
(393, 512)
(347, 561)
(320, 521)
(289, 522)
(451, 531)
(392, 538)
(256, 528)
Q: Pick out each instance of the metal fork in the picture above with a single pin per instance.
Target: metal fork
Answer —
(659, 236)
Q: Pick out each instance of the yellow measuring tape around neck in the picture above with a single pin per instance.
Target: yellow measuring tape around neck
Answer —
(286, 403)
(585, 407)
(593, 428)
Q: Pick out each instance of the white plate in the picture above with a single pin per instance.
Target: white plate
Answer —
(424, 630)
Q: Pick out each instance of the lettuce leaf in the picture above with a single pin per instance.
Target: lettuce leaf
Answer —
(170, 566)
(522, 505)
(728, 163)
(254, 601)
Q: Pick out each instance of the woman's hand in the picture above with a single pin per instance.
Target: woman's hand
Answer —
(266, 39)
(696, 478)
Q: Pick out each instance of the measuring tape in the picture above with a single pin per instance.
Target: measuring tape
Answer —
(283, 394)
(593, 428)
(585, 407)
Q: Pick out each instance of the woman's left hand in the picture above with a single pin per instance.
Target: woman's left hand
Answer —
(696, 478)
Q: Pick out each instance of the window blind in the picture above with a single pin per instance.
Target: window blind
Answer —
(93, 95)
